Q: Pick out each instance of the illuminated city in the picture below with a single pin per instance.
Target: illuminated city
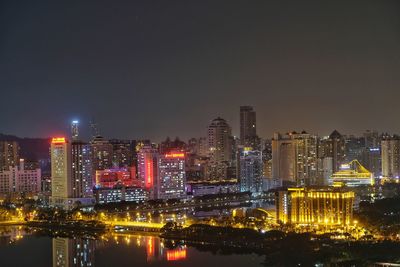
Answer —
(199, 133)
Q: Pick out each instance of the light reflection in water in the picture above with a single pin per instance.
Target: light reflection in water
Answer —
(69, 252)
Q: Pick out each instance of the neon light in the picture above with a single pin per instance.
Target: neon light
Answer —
(148, 172)
(175, 255)
(175, 155)
(58, 140)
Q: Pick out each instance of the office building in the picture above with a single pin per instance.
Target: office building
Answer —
(102, 154)
(250, 170)
(294, 158)
(219, 137)
(82, 173)
(172, 175)
(248, 128)
(390, 146)
(61, 176)
(148, 169)
(315, 206)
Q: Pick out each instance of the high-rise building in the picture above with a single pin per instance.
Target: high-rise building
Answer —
(250, 170)
(102, 153)
(391, 156)
(315, 206)
(19, 180)
(219, 134)
(124, 153)
(334, 147)
(294, 158)
(61, 177)
(355, 147)
(248, 128)
(75, 130)
(219, 149)
(9, 154)
(148, 169)
(82, 174)
(172, 176)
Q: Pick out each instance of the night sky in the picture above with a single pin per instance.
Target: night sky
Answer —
(151, 69)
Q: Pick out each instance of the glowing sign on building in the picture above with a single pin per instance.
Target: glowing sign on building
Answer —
(176, 254)
(58, 140)
(149, 176)
(175, 155)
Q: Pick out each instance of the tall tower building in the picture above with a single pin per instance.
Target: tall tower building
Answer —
(148, 169)
(82, 174)
(250, 170)
(294, 158)
(75, 130)
(334, 147)
(219, 136)
(9, 154)
(172, 175)
(391, 156)
(61, 182)
(102, 154)
(248, 128)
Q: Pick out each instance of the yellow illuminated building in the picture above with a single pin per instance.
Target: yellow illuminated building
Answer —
(315, 206)
(352, 174)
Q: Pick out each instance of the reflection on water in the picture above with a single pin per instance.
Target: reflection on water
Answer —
(68, 252)
(73, 252)
(116, 249)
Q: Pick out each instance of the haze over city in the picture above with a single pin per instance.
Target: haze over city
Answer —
(156, 69)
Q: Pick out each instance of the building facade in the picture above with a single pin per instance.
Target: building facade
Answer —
(295, 158)
(9, 154)
(315, 206)
(250, 170)
(390, 156)
(172, 176)
(18, 180)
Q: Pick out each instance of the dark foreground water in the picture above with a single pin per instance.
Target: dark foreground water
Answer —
(18, 249)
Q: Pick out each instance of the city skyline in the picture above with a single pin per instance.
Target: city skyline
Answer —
(145, 70)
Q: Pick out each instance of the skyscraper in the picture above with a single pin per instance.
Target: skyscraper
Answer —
(334, 147)
(82, 174)
(391, 156)
(9, 154)
(172, 176)
(102, 152)
(248, 127)
(61, 185)
(148, 169)
(219, 134)
(75, 130)
(294, 158)
(220, 149)
(250, 170)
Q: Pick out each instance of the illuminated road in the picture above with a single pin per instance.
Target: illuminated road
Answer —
(134, 224)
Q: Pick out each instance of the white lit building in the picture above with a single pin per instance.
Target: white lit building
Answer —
(172, 176)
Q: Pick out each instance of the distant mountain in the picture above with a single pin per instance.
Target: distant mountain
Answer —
(31, 148)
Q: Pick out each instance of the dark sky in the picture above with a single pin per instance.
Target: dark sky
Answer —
(151, 69)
